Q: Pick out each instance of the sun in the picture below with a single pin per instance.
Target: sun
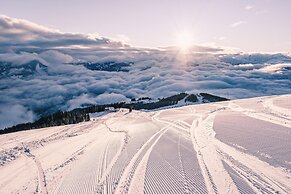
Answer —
(184, 40)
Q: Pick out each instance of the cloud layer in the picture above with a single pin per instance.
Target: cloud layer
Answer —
(20, 34)
(41, 72)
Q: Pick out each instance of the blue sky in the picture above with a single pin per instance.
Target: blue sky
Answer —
(250, 26)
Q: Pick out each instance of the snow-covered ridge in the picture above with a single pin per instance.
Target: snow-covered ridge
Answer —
(241, 146)
(83, 114)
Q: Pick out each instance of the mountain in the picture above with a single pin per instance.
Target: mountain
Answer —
(239, 146)
(144, 103)
(106, 66)
(32, 68)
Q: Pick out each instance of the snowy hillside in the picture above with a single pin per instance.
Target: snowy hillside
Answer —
(241, 146)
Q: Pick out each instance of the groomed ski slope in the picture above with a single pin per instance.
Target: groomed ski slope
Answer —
(241, 146)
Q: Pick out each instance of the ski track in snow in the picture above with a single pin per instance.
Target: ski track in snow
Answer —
(175, 150)
(41, 187)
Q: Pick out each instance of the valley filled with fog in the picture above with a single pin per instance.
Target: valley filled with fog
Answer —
(53, 71)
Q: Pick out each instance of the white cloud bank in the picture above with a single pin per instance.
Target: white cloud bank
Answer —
(40, 74)
(237, 24)
(275, 68)
(249, 7)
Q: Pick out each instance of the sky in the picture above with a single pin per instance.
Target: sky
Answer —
(242, 25)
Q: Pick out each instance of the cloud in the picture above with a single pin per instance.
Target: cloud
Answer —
(14, 114)
(238, 23)
(55, 57)
(275, 68)
(255, 58)
(64, 86)
(35, 82)
(107, 98)
(195, 48)
(18, 34)
(249, 7)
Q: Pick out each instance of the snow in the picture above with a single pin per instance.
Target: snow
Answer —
(240, 146)
(269, 142)
(283, 102)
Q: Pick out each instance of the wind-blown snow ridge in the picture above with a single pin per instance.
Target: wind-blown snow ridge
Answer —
(240, 146)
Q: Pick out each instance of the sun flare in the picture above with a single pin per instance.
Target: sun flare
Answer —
(184, 40)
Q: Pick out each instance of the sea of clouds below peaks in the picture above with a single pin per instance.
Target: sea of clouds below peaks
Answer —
(59, 82)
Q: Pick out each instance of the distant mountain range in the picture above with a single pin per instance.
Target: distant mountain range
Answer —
(106, 66)
(34, 67)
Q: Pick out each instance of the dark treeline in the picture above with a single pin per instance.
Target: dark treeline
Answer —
(172, 100)
(56, 119)
(82, 114)
(211, 98)
(191, 98)
(61, 118)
